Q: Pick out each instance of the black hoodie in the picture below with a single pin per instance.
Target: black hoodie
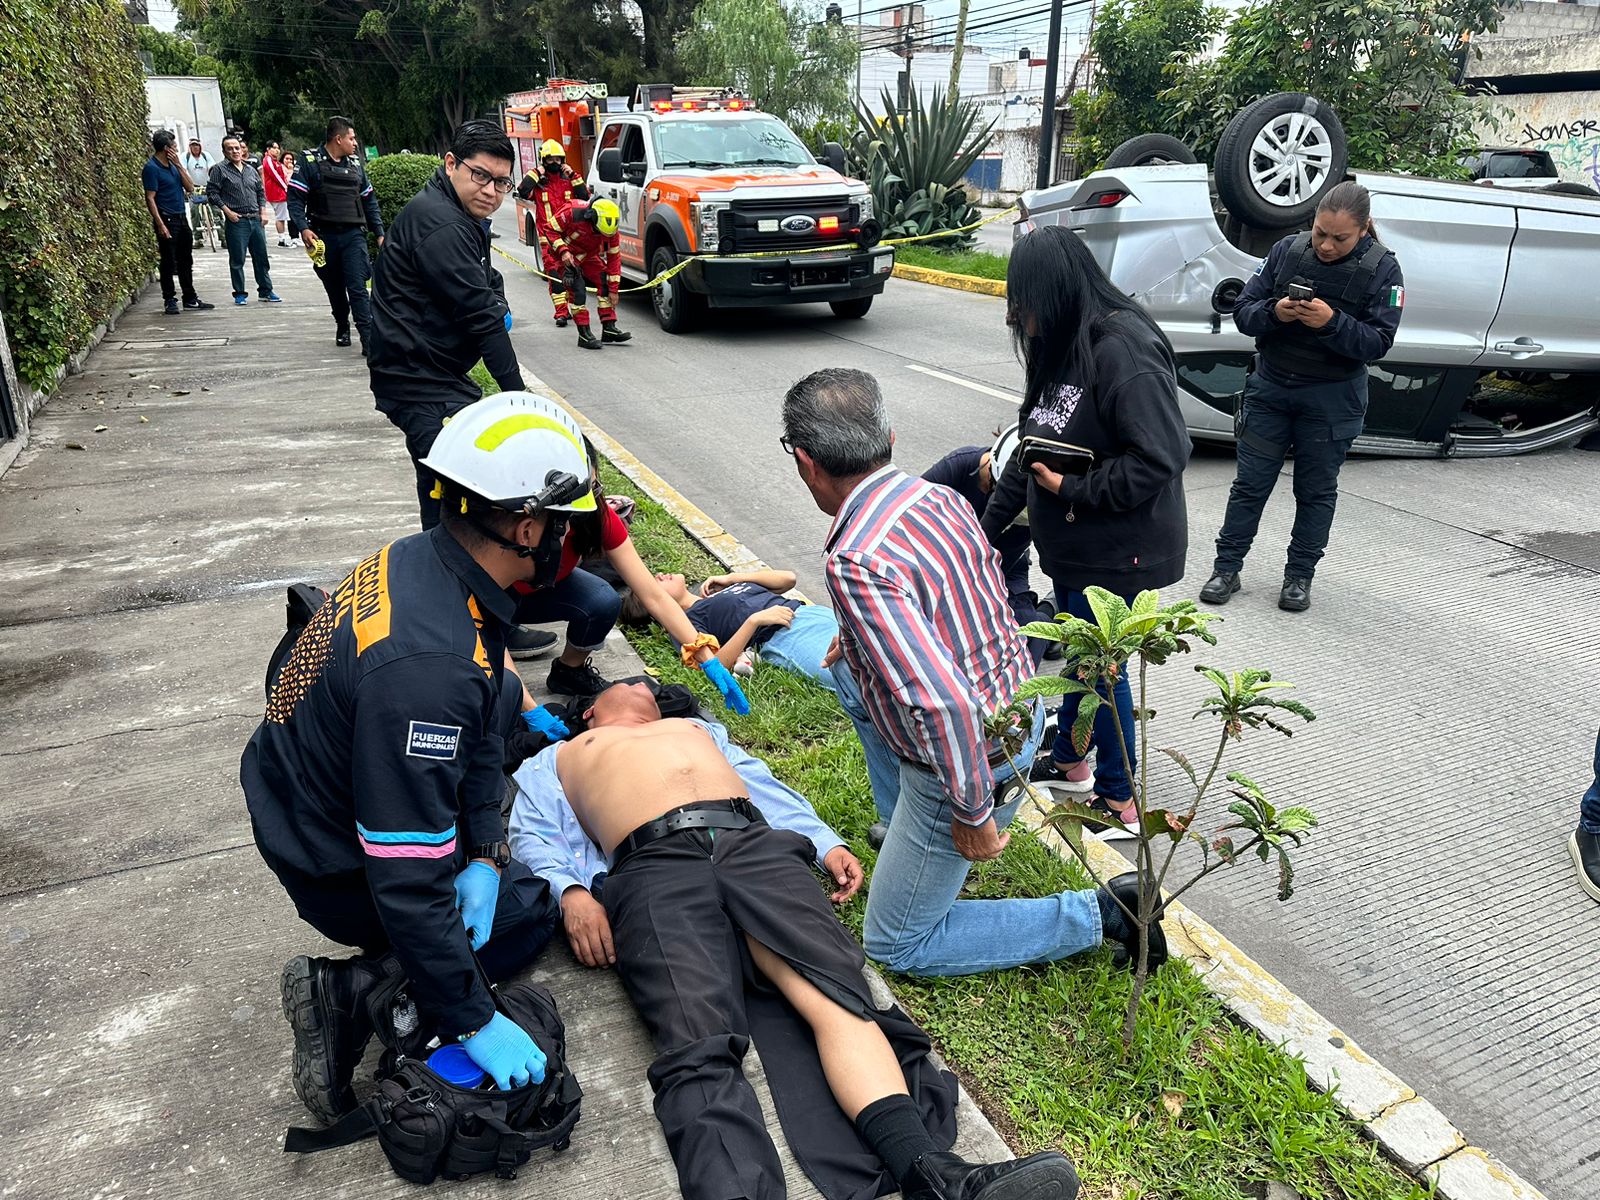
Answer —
(437, 304)
(1123, 526)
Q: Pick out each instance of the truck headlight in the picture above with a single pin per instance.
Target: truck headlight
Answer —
(705, 217)
(864, 207)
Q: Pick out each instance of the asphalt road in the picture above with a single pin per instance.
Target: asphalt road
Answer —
(1449, 655)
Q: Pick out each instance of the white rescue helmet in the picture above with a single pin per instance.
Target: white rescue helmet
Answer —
(518, 451)
(1005, 446)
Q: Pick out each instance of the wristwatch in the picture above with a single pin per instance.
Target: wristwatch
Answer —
(499, 853)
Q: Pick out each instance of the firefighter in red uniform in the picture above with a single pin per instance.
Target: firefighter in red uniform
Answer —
(592, 251)
(551, 192)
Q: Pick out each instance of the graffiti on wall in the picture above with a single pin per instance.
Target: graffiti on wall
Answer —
(1574, 144)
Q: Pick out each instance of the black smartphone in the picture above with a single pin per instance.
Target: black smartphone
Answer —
(1302, 291)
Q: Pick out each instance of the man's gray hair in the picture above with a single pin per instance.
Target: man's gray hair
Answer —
(836, 415)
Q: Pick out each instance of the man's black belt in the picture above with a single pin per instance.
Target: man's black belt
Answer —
(704, 814)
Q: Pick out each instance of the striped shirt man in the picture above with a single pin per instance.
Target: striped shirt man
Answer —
(925, 627)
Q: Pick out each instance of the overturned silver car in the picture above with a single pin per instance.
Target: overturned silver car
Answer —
(1499, 349)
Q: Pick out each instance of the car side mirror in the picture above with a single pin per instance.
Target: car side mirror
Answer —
(833, 156)
(610, 165)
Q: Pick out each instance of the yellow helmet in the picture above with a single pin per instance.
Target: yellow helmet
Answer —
(552, 149)
(606, 216)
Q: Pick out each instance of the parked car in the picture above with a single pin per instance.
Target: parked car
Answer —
(1499, 349)
(1511, 166)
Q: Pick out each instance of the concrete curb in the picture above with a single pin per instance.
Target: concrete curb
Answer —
(949, 279)
(1414, 1134)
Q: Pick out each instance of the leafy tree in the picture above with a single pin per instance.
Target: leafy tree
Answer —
(593, 40)
(1134, 41)
(786, 58)
(257, 105)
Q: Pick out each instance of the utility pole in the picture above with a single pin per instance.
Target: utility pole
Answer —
(1047, 120)
(955, 57)
(908, 50)
(861, 49)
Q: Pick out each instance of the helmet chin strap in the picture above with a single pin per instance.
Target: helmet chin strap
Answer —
(546, 554)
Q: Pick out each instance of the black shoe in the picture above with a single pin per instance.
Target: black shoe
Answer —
(341, 338)
(587, 340)
(197, 305)
(1585, 851)
(1296, 594)
(877, 835)
(576, 681)
(938, 1176)
(324, 1001)
(1220, 587)
(610, 333)
(171, 308)
(1126, 889)
(561, 322)
(1052, 652)
(523, 642)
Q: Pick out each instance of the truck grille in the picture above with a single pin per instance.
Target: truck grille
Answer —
(739, 228)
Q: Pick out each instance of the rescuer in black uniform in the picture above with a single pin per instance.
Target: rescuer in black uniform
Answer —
(331, 199)
(375, 782)
(1308, 389)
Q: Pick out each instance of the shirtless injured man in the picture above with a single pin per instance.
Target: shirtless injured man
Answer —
(721, 932)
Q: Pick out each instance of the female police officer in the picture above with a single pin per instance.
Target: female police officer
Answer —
(1321, 307)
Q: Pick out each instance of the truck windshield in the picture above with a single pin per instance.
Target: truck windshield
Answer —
(742, 142)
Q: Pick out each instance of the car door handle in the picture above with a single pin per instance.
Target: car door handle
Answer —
(1521, 348)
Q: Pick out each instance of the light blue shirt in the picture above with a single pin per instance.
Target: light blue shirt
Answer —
(546, 837)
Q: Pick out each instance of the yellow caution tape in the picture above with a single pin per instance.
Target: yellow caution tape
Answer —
(834, 249)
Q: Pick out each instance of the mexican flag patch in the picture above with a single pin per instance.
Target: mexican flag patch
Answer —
(1397, 297)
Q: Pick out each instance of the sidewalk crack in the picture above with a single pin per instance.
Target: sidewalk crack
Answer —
(120, 732)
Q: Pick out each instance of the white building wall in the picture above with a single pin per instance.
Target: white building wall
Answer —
(184, 104)
(880, 69)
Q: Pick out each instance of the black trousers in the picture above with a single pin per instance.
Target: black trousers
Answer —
(340, 908)
(420, 421)
(679, 908)
(177, 257)
(344, 277)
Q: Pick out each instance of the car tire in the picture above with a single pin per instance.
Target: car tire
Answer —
(530, 231)
(1277, 159)
(1150, 150)
(851, 309)
(678, 310)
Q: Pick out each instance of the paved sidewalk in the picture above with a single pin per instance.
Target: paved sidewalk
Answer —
(141, 590)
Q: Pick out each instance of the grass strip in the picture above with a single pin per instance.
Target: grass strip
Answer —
(962, 262)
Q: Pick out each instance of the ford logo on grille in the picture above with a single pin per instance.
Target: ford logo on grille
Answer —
(799, 223)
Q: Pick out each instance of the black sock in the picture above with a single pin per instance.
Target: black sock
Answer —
(1113, 921)
(893, 1128)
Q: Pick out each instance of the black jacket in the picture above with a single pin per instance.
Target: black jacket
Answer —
(1123, 526)
(382, 752)
(437, 304)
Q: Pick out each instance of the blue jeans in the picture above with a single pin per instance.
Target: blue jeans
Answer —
(586, 602)
(247, 234)
(1589, 811)
(800, 647)
(345, 277)
(915, 924)
(1111, 778)
(1319, 420)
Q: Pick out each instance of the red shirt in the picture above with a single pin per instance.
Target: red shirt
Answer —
(274, 179)
(612, 534)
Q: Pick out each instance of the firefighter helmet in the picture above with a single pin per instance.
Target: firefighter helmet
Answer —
(519, 452)
(606, 216)
(552, 149)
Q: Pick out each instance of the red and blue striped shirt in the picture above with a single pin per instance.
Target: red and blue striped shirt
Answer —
(925, 627)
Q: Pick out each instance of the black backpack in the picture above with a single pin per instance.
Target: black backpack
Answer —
(428, 1127)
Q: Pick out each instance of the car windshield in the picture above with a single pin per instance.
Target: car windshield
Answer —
(1526, 164)
(743, 142)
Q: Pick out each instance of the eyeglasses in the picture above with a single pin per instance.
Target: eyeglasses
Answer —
(502, 183)
(788, 446)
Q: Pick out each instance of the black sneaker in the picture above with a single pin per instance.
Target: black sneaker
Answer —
(1219, 589)
(581, 680)
(324, 1001)
(523, 642)
(941, 1176)
(198, 305)
(877, 835)
(1126, 889)
(341, 338)
(1585, 851)
(1296, 594)
(171, 308)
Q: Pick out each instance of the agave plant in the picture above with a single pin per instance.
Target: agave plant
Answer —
(914, 161)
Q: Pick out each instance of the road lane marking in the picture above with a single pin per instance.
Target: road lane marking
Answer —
(966, 383)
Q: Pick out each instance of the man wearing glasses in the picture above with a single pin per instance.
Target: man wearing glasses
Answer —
(438, 304)
(331, 201)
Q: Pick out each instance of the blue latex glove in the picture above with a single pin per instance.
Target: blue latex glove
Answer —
(477, 890)
(508, 320)
(503, 1050)
(542, 720)
(725, 683)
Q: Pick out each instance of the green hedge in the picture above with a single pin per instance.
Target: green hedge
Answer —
(398, 177)
(75, 236)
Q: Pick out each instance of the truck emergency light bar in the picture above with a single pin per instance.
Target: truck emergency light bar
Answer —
(665, 97)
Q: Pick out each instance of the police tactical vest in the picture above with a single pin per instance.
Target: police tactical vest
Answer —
(1344, 286)
(338, 200)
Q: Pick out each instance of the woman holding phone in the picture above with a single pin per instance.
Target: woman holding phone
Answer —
(1105, 446)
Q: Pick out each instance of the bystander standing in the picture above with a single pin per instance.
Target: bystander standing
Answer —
(331, 201)
(166, 194)
(236, 189)
(275, 183)
(197, 165)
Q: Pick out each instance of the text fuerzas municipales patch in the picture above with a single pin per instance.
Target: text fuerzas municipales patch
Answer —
(427, 740)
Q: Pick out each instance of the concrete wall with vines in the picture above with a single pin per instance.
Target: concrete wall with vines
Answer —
(75, 237)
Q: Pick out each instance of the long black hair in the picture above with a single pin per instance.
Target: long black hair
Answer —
(1054, 285)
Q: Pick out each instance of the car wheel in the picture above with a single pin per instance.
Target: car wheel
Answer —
(1150, 150)
(678, 310)
(1277, 159)
(851, 309)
